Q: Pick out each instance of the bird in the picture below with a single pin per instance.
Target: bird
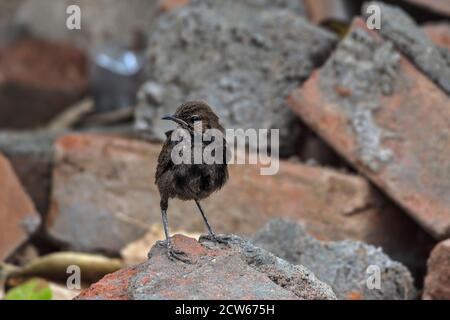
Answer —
(189, 181)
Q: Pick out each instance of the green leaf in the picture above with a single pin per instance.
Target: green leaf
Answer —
(34, 289)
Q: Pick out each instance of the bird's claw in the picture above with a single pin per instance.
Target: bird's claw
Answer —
(177, 255)
(223, 239)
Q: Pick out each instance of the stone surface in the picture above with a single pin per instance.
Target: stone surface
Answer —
(31, 155)
(238, 270)
(388, 120)
(239, 57)
(437, 282)
(18, 217)
(412, 41)
(38, 80)
(439, 33)
(99, 20)
(104, 197)
(343, 265)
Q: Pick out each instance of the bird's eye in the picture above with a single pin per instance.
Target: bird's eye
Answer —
(195, 118)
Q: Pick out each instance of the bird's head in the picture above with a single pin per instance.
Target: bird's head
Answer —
(190, 113)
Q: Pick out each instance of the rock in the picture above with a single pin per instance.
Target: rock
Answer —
(239, 57)
(102, 191)
(344, 265)
(31, 155)
(437, 282)
(47, 20)
(439, 6)
(411, 40)
(18, 217)
(38, 80)
(136, 252)
(235, 271)
(374, 125)
(104, 197)
(439, 33)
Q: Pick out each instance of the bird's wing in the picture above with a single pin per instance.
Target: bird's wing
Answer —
(164, 160)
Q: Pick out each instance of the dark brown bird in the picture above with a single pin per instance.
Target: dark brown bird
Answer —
(189, 181)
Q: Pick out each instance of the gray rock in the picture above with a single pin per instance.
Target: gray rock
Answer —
(237, 270)
(412, 41)
(342, 264)
(239, 57)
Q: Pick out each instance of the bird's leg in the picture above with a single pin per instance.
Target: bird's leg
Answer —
(172, 253)
(211, 235)
(210, 231)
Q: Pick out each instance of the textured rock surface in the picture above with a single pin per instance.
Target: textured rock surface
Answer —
(39, 79)
(216, 271)
(18, 217)
(366, 102)
(343, 265)
(104, 197)
(238, 56)
(437, 282)
(412, 41)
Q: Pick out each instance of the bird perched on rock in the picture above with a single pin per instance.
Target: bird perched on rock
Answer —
(189, 180)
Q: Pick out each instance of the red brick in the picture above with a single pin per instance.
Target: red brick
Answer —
(18, 217)
(412, 123)
(38, 80)
(437, 282)
(167, 5)
(439, 33)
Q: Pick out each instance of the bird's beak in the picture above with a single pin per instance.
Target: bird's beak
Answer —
(175, 119)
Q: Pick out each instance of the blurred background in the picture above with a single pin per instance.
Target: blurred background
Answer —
(364, 119)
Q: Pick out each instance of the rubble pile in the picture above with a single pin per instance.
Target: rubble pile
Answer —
(358, 209)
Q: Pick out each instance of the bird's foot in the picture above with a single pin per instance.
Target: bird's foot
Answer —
(172, 253)
(176, 255)
(219, 238)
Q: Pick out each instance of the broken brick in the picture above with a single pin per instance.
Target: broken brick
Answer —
(38, 80)
(437, 282)
(394, 127)
(439, 33)
(18, 217)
